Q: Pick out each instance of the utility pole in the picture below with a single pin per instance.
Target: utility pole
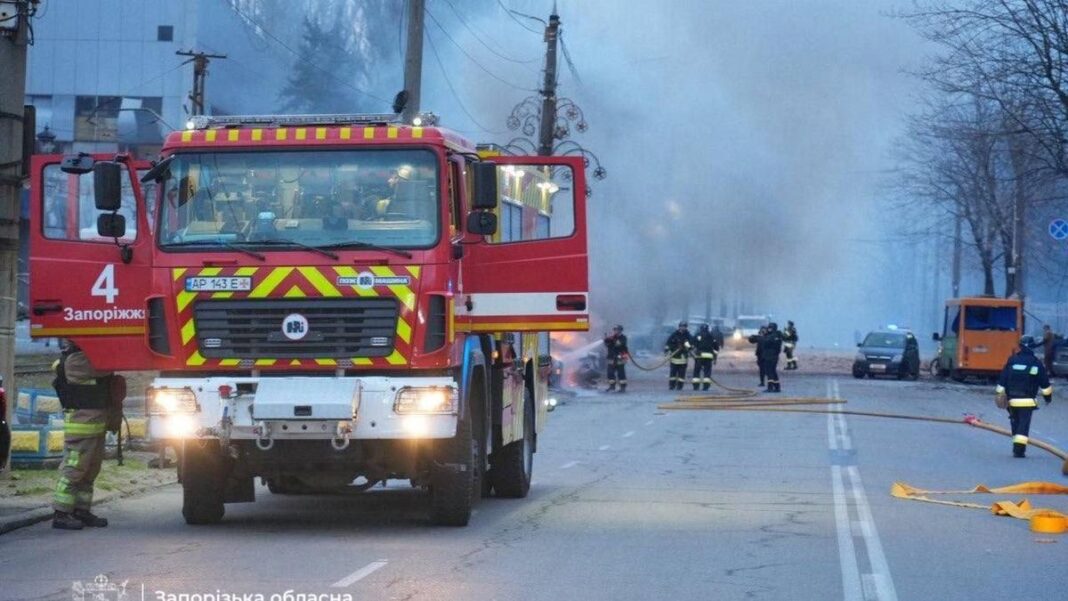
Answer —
(1016, 269)
(14, 38)
(413, 59)
(200, 62)
(547, 131)
(957, 250)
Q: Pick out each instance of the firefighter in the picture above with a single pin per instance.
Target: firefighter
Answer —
(770, 345)
(92, 403)
(1022, 379)
(755, 339)
(705, 349)
(1049, 345)
(789, 343)
(617, 354)
(678, 350)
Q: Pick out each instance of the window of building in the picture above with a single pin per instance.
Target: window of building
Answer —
(96, 118)
(165, 33)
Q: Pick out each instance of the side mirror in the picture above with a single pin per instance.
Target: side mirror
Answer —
(485, 183)
(111, 225)
(77, 164)
(859, 343)
(936, 337)
(107, 186)
(482, 223)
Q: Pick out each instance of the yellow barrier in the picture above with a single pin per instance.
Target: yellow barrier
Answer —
(23, 441)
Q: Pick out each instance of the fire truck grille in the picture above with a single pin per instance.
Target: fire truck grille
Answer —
(328, 328)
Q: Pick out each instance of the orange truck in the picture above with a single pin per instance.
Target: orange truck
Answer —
(978, 336)
(330, 301)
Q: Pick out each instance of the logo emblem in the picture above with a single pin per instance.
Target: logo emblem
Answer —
(99, 589)
(295, 326)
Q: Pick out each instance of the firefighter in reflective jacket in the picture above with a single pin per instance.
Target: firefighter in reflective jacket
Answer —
(678, 350)
(90, 408)
(1023, 378)
(789, 343)
(616, 357)
(768, 348)
(705, 348)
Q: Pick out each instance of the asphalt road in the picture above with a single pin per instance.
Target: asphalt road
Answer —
(628, 502)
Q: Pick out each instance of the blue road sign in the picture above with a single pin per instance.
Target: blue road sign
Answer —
(1058, 229)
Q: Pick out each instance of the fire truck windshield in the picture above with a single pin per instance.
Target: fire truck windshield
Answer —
(366, 198)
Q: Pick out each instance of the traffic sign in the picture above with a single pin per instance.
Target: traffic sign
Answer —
(1058, 229)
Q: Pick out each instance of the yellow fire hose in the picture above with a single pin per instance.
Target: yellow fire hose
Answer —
(1045, 521)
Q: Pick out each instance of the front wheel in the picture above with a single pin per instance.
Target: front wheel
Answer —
(514, 464)
(454, 484)
(204, 474)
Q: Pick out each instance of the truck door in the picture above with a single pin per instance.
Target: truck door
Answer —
(80, 286)
(532, 275)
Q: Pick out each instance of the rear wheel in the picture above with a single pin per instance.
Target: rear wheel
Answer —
(514, 464)
(204, 474)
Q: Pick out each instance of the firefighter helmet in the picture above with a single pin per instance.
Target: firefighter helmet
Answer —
(683, 324)
(617, 327)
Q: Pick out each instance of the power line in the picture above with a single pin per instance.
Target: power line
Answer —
(567, 59)
(448, 82)
(460, 18)
(472, 59)
(512, 13)
(277, 40)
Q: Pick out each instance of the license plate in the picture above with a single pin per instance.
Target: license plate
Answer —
(218, 284)
(877, 367)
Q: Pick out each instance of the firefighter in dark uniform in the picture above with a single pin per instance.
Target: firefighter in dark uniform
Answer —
(1023, 378)
(617, 354)
(755, 339)
(769, 346)
(678, 350)
(92, 403)
(706, 346)
(789, 343)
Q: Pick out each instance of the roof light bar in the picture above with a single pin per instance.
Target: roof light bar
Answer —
(215, 122)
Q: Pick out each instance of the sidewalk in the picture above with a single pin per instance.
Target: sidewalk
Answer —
(26, 495)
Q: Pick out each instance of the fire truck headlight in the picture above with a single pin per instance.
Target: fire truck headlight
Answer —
(426, 400)
(737, 335)
(180, 426)
(167, 401)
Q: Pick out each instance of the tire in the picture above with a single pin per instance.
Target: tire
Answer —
(858, 374)
(454, 482)
(513, 465)
(204, 474)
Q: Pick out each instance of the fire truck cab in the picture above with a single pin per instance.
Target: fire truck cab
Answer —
(330, 301)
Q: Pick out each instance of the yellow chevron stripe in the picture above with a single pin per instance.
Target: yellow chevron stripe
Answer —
(209, 136)
(233, 135)
(396, 358)
(414, 270)
(184, 298)
(280, 133)
(391, 132)
(345, 133)
(210, 271)
(316, 279)
(294, 292)
(362, 361)
(404, 330)
(417, 132)
(270, 282)
(229, 362)
(245, 271)
(295, 362)
(266, 362)
(404, 293)
(320, 133)
(222, 294)
(178, 272)
(196, 359)
(368, 133)
(302, 133)
(188, 331)
(257, 135)
(187, 136)
(326, 361)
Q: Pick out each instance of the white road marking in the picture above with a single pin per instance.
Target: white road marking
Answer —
(847, 555)
(604, 447)
(629, 434)
(569, 465)
(884, 584)
(361, 573)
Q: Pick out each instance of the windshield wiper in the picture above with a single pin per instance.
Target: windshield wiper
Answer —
(222, 243)
(368, 246)
(314, 249)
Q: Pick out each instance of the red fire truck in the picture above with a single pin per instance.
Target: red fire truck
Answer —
(330, 301)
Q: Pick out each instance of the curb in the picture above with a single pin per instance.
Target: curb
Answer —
(41, 514)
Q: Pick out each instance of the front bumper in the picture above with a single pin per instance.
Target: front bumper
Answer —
(878, 368)
(300, 408)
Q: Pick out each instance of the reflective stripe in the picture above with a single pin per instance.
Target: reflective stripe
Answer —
(73, 457)
(677, 361)
(623, 382)
(1047, 391)
(1022, 403)
(708, 355)
(77, 429)
(706, 381)
(695, 380)
(1019, 439)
